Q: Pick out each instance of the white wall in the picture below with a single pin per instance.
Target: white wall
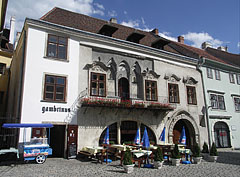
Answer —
(35, 67)
(228, 89)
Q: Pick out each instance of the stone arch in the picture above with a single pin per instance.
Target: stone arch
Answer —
(182, 115)
(113, 68)
(123, 70)
(115, 124)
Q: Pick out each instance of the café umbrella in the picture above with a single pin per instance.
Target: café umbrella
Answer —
(137, 137)
(182, 139)
(162, 136)
(146, 144)
(106, 142)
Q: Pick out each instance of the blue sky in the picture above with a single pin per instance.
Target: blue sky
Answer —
(215, 21)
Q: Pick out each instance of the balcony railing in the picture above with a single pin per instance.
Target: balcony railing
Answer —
(112, 100)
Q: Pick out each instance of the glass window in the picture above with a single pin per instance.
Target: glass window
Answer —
(238, 79)
(173, 93)
(151, 90)
(98, 84)
(55, 88)
(237, 103)
(217, 101)
(57, 47)
(209, 73)
(191, 95)
(2, 68)
(217, 75)
(231, 78)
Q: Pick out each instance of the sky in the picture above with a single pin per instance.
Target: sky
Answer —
(198, 21)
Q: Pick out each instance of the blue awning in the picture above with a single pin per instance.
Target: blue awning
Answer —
(27, 125)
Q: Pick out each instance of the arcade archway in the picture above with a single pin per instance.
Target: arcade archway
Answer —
(126, 132)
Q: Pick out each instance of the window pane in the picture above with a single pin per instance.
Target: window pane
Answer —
(62, 52)
(94, 77)
(94, 85)
(62, 40)
(59, 89)
(101, 77)
(94, 91)
(52, 38)
(153, 84)
(59, 96)
(50, 79)
(49, 88)
(52, 50)
(61, 80)
(101, 92)
(49, 96)
(101, 85)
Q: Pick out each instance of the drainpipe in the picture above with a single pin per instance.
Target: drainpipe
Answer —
(200, 63)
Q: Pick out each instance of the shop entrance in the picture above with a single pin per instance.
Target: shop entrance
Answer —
(221, 135)
(57, 140)
(190, 134)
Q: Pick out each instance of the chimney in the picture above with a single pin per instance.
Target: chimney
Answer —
(155, 31)
(181, 39)
(223, 48)
(206, 45)
(113, 20)
(12, 29)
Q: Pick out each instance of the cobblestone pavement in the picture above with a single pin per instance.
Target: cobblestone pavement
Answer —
(228, 165)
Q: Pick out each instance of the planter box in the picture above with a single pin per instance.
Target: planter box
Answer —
(158, 164)
(175, 162)
(212, 158)
(205, 156)
(197, 160)
(128, 168)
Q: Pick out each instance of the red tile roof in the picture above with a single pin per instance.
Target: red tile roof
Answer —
(90, 24)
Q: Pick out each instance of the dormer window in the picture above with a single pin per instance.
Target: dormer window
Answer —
(159, 44)
(135, 37)
(107, 30)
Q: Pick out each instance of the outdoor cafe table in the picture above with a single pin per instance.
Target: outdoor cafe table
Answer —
(92, 150)
(140, 153)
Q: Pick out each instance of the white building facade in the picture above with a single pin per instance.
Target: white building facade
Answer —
(222, 90)
(84, 82)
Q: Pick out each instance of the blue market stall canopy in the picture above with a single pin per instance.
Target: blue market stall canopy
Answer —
(27, 125)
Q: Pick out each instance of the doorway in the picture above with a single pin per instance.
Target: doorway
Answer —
(57, 140)
(123, 89)
(221, 135)
(190, 134)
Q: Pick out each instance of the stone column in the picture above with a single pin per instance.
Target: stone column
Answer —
(118, 132)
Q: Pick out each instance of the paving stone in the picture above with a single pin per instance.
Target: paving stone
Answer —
(228, 164)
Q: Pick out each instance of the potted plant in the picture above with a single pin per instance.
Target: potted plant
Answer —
(176, 156)
(158, 158)
(205, 151)
(213, 153)
(127, 161)
(196, 154)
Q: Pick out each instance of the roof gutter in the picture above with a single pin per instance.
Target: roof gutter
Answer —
(130, 44)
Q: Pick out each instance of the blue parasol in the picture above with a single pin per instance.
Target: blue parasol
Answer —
(162, 136)
(106, 137)
(182, 139)
(146, 144)
(106, 141)
(137, 137)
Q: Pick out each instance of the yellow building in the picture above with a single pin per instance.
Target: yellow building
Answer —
(5, 61)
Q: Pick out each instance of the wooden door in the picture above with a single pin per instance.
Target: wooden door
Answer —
(176, 136)
(72, 140)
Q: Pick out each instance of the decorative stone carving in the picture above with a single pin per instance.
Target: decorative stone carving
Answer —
(97, 66)
(149, 74)
(172, 77)
(189, 80)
